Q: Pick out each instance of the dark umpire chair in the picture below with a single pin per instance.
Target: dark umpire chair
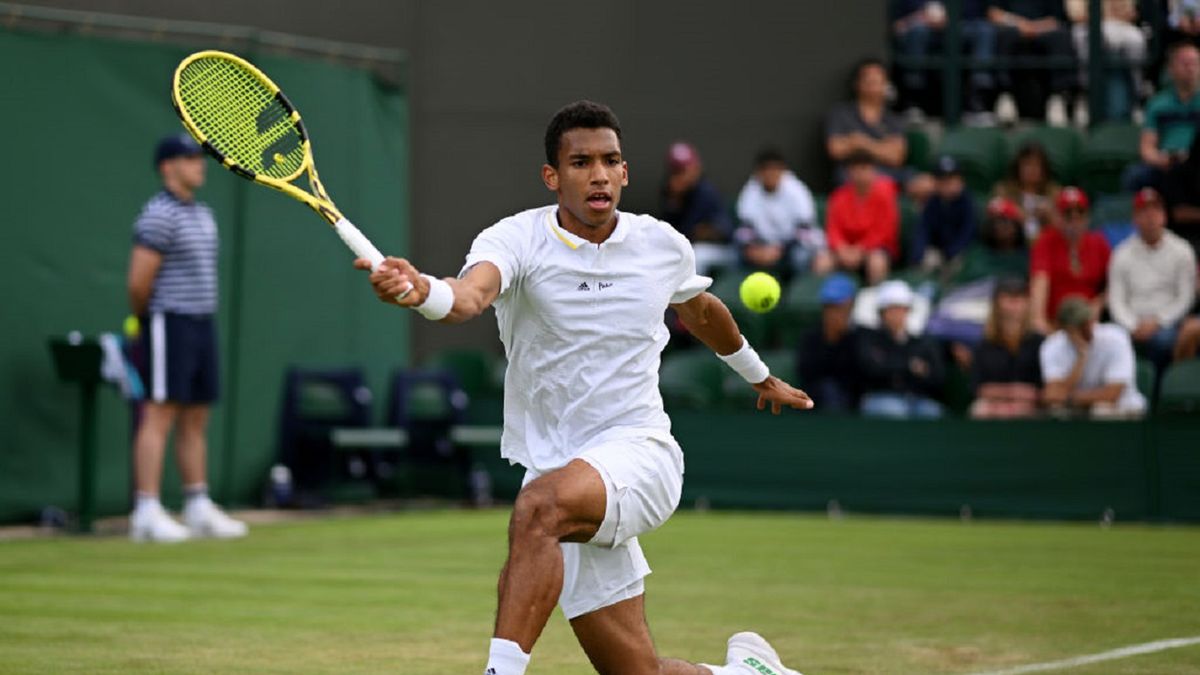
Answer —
(428, 404)
(314, 403)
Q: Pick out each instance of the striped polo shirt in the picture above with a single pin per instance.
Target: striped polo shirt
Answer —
(185, 233)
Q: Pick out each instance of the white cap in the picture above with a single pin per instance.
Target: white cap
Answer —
(894, 293)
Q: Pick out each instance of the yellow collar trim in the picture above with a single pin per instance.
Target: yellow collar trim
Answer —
(559, 232)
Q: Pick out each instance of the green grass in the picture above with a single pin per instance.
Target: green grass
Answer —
(414, 593)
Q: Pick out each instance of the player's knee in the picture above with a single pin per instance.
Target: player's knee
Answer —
(535, 514)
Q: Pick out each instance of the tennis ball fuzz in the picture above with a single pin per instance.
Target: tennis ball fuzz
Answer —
(760, 292)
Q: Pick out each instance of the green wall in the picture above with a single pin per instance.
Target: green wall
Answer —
(81, 117)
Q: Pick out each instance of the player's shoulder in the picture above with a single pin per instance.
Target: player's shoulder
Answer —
(518, 227)
(647, 227)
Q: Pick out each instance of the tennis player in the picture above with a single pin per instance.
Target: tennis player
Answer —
(580, 289)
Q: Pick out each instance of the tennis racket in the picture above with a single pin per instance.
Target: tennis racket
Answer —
(241, 118)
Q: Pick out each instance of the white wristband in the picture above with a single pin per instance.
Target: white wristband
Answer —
(746, 362)
(439, 302)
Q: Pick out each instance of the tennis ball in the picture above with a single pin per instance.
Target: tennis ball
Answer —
(760, 292)
(132, 328)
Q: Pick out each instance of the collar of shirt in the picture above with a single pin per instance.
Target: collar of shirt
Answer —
(575, 241)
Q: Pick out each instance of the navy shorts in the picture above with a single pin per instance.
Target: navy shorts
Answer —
(179, 358)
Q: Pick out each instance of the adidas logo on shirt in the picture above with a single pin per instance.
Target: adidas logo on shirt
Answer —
(580, 287)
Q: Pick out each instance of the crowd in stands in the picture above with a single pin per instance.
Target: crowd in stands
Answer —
(1020, 293)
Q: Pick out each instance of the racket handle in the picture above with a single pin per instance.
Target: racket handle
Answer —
(362, 247)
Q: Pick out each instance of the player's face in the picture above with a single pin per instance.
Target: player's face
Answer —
(188, 172)
(589, 175)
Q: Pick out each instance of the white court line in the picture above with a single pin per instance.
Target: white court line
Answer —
(1131, 650)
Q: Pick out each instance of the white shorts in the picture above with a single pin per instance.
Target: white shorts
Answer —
(643, 478)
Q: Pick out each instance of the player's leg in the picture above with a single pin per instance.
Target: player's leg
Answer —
(617, 641)
(567, 504)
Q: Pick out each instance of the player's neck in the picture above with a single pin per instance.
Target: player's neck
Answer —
(594, 234)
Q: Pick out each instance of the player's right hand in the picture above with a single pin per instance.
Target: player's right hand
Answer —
(393, 277)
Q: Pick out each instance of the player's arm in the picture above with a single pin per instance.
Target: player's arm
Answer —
(446, 300)
(710, 321)
(143, 269)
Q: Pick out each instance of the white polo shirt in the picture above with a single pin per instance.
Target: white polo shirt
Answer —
(1110, 360)
(582, 327)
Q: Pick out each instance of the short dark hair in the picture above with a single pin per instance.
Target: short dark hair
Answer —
(769, 155)
(578, 115)
(860, 66)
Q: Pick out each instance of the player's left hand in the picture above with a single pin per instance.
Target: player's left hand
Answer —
(780, 394)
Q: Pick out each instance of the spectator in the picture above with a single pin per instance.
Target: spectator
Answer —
(947, 224)
(866, 126)
(692, 205)
(1182, 196)
(1122, 39)
(1171, 120)
(828, 356)
(1035, 28)
(918, 27)
(1006, 373)
(779, 230)
(1152, 280)
(1183, 22)
(1030, 185)
(901, 373)
(1001, 250)
(1188, 344)
(863, 221)
(1067, 259)
(1090, 367)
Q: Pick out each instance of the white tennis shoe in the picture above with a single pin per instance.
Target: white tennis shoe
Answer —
(750, 653)
(206, 519)
(153, 523)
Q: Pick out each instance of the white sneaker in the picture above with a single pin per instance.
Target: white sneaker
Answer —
(153, 523)
(206, 519)
(1006, 109)
(1056, 111)
(749, 652)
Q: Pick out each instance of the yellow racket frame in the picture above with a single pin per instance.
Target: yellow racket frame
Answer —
(318, 199)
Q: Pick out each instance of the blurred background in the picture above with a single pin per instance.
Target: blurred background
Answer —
(780, 136)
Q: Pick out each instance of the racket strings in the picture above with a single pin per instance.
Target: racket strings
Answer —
(241, 117)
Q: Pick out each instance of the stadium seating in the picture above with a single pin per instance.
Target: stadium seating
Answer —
(478, 372)
(799, 310)
(1145, 378)
(314, 402)
(981, 153)
(1108, 150)
(1180, 392)
(1063, 147)
(691, 379)
(920, 149)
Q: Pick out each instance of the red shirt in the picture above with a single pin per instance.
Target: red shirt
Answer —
(871, 221)
(1052, 256)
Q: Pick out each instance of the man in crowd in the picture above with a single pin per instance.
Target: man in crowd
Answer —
(865, 126)
(779, 231)
(1035, 28)
(918, 26)
(1090, 367)
(901, 373)
(947, 224)
(173, 289)
(692, 205)
(1152, 280)
(1171, 120)
(828, 360)
(863, 221)
(1067, 259)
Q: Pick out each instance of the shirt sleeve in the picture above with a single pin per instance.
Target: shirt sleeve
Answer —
(154, 232)
(1118, 292)
(687, 283)
(1185, 288)
(1039, 257)
(1055, 359)
(836, 122)
(503, 245)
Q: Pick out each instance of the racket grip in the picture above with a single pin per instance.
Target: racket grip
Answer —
(362, 247)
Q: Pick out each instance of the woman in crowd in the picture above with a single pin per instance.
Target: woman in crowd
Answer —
(1006, 372)
(1030, 185)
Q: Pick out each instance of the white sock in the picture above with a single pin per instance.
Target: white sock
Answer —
(145, 501)
(506, 658)
(195, 494)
